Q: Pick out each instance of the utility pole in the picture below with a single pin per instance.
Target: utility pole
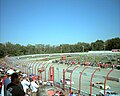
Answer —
(83, 48)
(61, 48)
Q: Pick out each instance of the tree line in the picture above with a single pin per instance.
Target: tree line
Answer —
(17, 49)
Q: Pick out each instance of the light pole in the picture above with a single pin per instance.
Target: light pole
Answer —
(61, 48)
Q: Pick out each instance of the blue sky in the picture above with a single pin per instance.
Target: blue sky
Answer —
(57, 22)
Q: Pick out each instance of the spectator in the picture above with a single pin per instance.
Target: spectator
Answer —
(13, 89)
(61, 93)
(112, 66)
(0, 84)
(7, 80)
(20, 78)
(25, 83)
(106, 65)
(2, 90)
(34, 87)
(74, 95)
(71, 94)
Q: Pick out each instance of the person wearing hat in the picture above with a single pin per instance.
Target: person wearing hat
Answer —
(34, 87)
(25, 83)
(7, 80)
(13, 88)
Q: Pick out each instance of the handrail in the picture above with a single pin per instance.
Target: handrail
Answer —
(64, 71)
(91, 80)
(80, 79)
(105, 81)
(71, 77)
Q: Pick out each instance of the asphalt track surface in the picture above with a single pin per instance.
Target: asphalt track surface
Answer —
(85, 84)
(98, 77)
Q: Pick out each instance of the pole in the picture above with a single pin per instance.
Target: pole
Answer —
(83, 48)
(64, 71)
(91, 80)
(105, 81)
(71, 78)
(80, 79)
(49, 72)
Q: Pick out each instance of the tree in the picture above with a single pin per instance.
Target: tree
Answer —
(10, 49)
(98, 45)
(17, 49)
(65, 48)
(113, 43)
(82, 46)
(31, 49)
(2, 50)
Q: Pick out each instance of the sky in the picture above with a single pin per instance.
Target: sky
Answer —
(57, 22)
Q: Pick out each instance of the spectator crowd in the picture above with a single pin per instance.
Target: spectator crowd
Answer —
(16, 83)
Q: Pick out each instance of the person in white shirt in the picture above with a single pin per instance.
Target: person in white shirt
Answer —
(34, 87)
(25, 83)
